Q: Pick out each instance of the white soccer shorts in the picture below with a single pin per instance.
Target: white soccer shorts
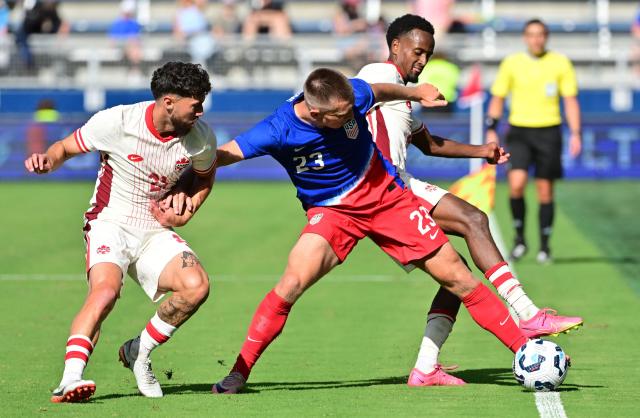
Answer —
(141, 253)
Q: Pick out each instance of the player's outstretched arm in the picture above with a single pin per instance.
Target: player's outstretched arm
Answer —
(229, 153)
(53, 158)
(443, 147)
(427, 94)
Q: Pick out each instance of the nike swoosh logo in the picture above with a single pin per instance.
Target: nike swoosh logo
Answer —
(298, 149)
(505, 320)
(252, 340)
(434, 235)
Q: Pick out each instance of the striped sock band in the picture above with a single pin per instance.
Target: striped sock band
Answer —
(79, 348)
(155, 333)
(510, 289)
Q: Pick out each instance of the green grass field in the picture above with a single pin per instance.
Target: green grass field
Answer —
(349, 343)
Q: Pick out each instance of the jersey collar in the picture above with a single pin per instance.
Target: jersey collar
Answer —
(397, 69)
(148, 117)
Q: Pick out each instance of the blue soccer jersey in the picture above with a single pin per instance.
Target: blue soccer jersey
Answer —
(324, 164)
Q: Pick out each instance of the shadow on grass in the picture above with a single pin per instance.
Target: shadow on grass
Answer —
(589, 260)
(501, 377)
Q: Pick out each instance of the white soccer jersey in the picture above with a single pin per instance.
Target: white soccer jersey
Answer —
(137, 164)
(391, 123)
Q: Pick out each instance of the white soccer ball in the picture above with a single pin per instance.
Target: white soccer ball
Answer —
(540, 365)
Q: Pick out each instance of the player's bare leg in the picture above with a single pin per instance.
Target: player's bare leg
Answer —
(517, 179)
(484, 307)
(311, 258)
(105, 281)
(544, 188)
(456, 216)
(185, 277)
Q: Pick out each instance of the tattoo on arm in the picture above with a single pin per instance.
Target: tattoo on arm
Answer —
(189, 260)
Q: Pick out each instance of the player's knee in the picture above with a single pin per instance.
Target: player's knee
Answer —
(195, 287)
(103, 298)
(292, 285)
(476, 218)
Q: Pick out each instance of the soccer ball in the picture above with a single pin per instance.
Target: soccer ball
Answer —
(540, 365)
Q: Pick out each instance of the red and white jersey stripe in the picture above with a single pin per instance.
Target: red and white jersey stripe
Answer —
(391, 123)
(137, 164)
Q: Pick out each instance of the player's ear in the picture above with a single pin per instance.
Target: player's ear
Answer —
(314, 112)
(395, 46)
(168, 102)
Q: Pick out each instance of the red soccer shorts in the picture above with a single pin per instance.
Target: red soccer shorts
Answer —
(399, 224)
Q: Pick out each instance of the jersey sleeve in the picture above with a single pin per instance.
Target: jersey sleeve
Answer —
(204, 162)
(502, 83)
(568, 86)
(98, 132)
(378, 73)
(262, 139)
(364, 99)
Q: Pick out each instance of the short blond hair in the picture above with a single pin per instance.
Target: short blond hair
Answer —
(324, 85)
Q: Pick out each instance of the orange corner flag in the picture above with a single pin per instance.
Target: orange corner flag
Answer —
(478, 188)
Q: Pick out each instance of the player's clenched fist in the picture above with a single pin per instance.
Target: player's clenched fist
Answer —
(38, 163)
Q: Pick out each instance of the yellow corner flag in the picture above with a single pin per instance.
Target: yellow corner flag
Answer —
(478, 188)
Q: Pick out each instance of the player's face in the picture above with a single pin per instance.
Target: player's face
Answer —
(411, 52)
(535, 37)
(185, 114)
(341, 112)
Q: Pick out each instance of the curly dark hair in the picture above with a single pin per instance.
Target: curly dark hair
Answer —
(181, 78)
(405, 24)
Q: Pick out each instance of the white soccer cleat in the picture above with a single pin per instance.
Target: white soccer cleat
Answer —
(518, 251)
(544, 257)
(147, 383)
(231, 384)
(75, 391)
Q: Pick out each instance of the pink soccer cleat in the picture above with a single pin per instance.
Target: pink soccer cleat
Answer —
(546, 322)
(437, 377)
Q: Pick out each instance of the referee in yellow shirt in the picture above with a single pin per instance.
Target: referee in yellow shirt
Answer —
(536, 80)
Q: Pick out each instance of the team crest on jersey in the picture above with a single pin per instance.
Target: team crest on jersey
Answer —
(351, 128)
(316, 218)
(103, 249)
(182, 163)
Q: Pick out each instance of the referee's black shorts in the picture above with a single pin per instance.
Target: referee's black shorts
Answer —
(540, 147)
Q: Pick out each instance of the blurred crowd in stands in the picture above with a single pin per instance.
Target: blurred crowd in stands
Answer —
(201, 28)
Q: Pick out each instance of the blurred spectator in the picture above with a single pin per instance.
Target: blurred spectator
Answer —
(440, 14)
(41, 16)
(635, 48)
(443, 74)
(125, 32)
(227, 21)
(267, 17)
(347, 19)
(191, 26)
(37, 131)
(4, 30)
